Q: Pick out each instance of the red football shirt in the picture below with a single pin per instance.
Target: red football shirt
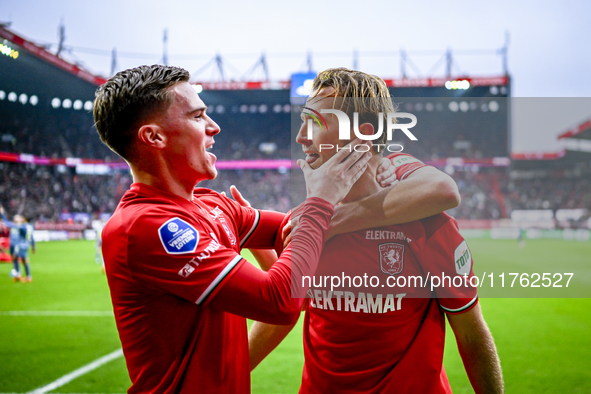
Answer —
(371, 337)
(166, 258)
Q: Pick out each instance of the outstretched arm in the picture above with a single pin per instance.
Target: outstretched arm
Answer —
(7, 222)
(264, 257)
(263, 338)
(478, 351)
(276, 296)
(425, 192)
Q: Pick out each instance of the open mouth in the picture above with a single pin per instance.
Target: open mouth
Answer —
(208, 150)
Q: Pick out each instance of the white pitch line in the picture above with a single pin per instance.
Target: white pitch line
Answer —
(56, 313)
(78, 372)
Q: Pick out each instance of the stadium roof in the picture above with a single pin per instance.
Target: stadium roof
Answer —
(48, 57)
(575, 146)
(581, 131)
(577, 140)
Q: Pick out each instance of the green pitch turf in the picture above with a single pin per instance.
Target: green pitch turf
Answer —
(544, 344)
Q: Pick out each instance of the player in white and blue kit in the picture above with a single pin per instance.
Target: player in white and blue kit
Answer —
(21, 239)
(21, 249)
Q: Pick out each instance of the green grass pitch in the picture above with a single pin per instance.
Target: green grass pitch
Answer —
(544, 344)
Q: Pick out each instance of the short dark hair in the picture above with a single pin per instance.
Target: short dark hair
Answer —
(129, 98)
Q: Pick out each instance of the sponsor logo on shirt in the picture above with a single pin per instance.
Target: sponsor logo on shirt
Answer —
(178, 236)
(384, 234)
(188, 268)
(402, 160)
(351, 302)
(463, 259)
(391, 258)
(213, 246)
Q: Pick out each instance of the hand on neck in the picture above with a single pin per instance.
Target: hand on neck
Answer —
(367, 184)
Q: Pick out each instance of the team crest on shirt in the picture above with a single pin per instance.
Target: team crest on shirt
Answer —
(178, 236)
(391, 258)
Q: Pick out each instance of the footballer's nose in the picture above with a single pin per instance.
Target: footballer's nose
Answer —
(302, 137)
(212, 128)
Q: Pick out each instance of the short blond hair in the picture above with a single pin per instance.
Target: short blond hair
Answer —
(364, 93)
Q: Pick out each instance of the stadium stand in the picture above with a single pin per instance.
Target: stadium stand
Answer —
(42, 193)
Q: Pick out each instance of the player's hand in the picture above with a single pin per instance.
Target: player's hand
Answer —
(289, 229)
(333, 180)
(386, 174)
(237, 196)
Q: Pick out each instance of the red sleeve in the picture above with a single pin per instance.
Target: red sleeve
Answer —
(276, 296)
(265, 233)
(447, 257)
(405, 164)
(257, 229)
(179, 254)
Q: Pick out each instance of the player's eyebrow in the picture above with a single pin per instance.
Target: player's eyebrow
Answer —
(305, 113)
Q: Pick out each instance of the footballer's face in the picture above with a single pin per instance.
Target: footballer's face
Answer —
(324, 135)
(189, 132)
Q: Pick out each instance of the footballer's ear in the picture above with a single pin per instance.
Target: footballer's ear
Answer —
(152, 135)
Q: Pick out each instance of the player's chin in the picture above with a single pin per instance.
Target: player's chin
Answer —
(212, 173)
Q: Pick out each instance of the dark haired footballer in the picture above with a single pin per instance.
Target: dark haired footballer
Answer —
(181, 292)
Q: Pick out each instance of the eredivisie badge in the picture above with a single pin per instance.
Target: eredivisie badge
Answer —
(178, 236)
(391, 258)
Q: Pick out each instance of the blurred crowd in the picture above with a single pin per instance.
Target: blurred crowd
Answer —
(61, 133)
(494, 195)
(52, 134)
(41, 193)
(245, 136)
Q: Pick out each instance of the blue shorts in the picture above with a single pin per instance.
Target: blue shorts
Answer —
(21, 252)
